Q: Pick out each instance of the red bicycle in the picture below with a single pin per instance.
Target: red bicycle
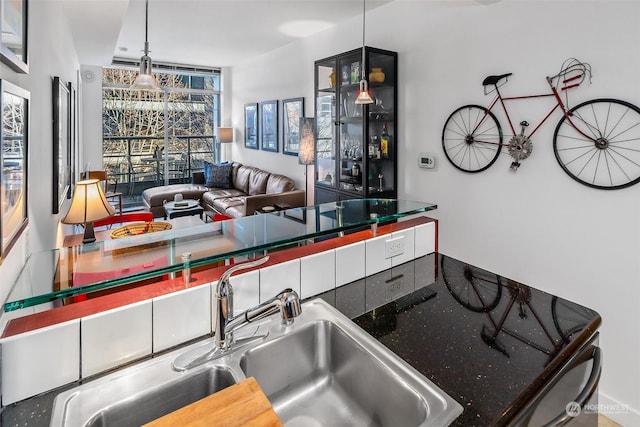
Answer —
(597, 142)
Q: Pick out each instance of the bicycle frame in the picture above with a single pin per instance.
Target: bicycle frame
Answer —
(596, 142)
(554, 93)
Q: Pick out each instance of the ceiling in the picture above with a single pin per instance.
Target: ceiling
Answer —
(213, 33)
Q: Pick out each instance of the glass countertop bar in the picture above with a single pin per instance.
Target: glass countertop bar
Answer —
(71, 271)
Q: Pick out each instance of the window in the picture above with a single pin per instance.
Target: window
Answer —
(157, 138)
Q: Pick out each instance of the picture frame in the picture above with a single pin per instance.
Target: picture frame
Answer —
(13, 42)
(61, 179)
(269, 126)
(73, 135)
(251, 126)
(14, 104)
(355, 72)
(292, 112)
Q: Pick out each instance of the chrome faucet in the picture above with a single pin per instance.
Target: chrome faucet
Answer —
(286, 302)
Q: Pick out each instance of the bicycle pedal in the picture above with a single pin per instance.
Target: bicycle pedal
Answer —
(515, 166)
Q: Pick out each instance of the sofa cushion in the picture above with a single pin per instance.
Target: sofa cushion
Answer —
(156, 195)
(241, 181)
(237, 211)
(218, 175)
(279, 184)
(210, 196)
(258, 181)
(224, 203)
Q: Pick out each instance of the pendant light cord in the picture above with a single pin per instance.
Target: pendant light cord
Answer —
(364, 10)
(146, 21)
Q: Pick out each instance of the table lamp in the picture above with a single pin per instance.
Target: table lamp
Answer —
(88, 205)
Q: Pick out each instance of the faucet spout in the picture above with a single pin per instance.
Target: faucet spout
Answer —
(286, 302)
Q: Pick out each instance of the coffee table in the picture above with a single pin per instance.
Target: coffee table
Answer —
(186, 207)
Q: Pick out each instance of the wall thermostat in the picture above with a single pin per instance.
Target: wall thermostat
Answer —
(427, 161)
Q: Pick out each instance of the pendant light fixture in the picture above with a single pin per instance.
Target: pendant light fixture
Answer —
(145, 79)
(363, 96)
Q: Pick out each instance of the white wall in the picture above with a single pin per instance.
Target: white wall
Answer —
(51, 53)
(536, 226)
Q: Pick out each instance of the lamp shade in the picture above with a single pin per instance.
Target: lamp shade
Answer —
(225, 135)
(88, 204)
(306, 152)
(145, 80)
(363, 96)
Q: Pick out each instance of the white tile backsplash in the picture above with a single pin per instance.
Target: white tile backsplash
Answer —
(246, 290)
(275, 278)
(425, 235)
(115, 337)
(181, 316)
(41, 360)
(38, 361)
(350, 263)
(317, 273)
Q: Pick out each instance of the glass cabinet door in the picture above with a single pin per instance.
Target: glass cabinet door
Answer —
(350, 140)
(326, 78)
(356, 153)
(381, 148)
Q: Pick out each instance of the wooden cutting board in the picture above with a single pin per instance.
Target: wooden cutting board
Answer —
(242, 404)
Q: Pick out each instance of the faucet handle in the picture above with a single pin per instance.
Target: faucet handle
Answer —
(290, 307)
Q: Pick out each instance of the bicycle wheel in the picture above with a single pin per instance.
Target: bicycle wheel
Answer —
(475, 289)
(599, 145)
(472, 138)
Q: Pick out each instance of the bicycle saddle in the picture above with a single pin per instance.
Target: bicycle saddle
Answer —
(492, 80)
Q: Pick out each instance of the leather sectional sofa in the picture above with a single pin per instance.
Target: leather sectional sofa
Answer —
(251, 189)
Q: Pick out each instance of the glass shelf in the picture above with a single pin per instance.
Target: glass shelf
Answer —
(68, 272)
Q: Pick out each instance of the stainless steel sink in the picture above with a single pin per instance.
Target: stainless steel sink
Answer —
(321, 371)
(321, 374)
(137, 396)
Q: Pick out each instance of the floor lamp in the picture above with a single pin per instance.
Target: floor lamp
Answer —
(306, 151)
(224, 136)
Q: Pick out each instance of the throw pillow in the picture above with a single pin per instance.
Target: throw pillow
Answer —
(218, 175)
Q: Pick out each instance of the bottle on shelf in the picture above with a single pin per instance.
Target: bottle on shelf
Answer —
(374, 147)
(385, 142)
(355, 170)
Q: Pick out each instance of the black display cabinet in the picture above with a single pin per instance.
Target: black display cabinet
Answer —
(356, 145)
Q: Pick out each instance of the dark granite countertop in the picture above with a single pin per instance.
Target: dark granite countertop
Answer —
(488, 342)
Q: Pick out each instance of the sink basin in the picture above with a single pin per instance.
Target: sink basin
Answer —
(327, 378)
(133, 398)
(321, 371)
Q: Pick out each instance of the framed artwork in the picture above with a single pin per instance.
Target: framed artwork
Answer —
(14, 103)
(269, 126)
(251, 126)
(292, 112)
(13, 43)
(75, 140)
(61, 144)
